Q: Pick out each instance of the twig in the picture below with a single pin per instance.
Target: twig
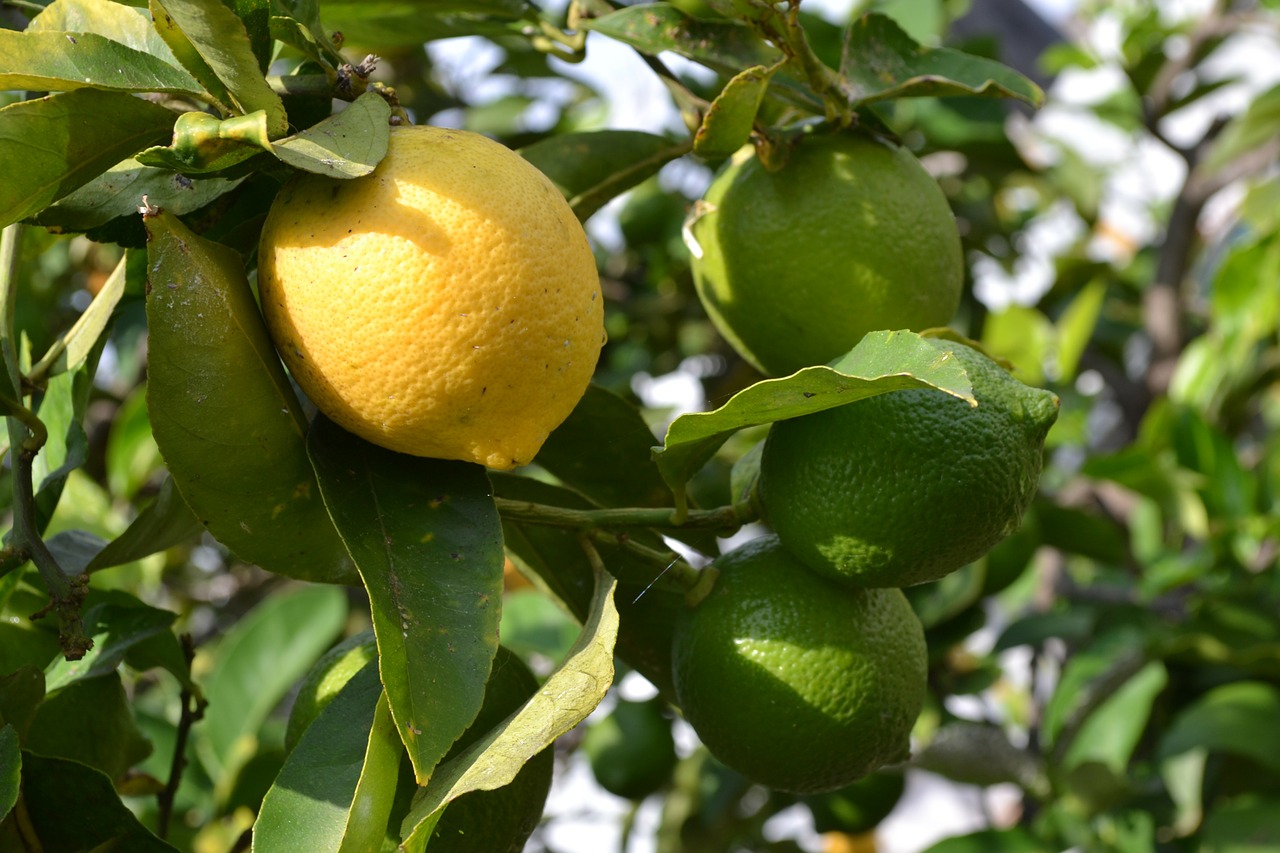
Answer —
(725, 518)
(192, 711)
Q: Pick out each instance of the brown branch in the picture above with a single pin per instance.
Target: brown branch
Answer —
(192, 711)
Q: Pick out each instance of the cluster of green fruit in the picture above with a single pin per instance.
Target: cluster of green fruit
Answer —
(805, 668)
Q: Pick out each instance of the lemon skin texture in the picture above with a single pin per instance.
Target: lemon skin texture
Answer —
(797, 683)
(446, 305)
(852, 235)
(907, 486)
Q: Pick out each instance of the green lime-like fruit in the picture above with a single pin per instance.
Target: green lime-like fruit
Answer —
(798, 683)
(631, 751)
(850, 236)
(907, 486)
(498, 821)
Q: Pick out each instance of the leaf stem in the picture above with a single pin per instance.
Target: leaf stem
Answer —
(726, 518)
(192, 711)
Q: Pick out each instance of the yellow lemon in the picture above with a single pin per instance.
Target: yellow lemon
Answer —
(446, 305)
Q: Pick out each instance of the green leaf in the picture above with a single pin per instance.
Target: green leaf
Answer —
(204, 145)
(1258, 125)
(220, 39)
(61, 62)
(993, 841)
(63, 411)
(120, 190)
(1111, 733)
(256, 664)
(727, 125)
(556, 556)
(883, 62)
(58, 143)
(427, 540)
(980, 754)
(10, 769)
(409, 23)
(107, 738)
(618, 471)
(99, 821)
(21, 693)
(723, 46)
(1245, 824)
(165, 522)
(71, 350)
(132, 457)
(116, 621)
(1091, 674)
(347, 145)
(592, 167)
(1076, 327)
(881, 362)
(567, 698)
(337, 787)
(1239, 718)
(256, 16)
(1022, 336)
(224, 414)
(116, 21)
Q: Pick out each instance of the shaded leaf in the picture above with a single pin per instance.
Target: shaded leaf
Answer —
(119, 191)
(409, 23)
(256, 664)
(224, 414)
(346, 145)
(219, 38)
(165, 522)
(58, 143)
(883, 62)
(337, 786)
(727, 125)
(10, 769)
(616, 472)
(567, 698)
(1238, 718)
(1246, 824)
(993, 841)
(99, 820)
(426, 538)
(116, 621)
(980, 754)
(1092, 674)
(881, 362)
(21, 693)
(61, 62)
(592, 167)
(107, 738)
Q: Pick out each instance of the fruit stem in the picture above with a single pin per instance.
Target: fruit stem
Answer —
(726, 518)
(676, 575)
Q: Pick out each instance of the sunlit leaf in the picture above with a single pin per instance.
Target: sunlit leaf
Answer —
(881, 362)
(58, 143)
(346, 145)
(883, 62)
(427, 541)
(567, 697)
(727, 125)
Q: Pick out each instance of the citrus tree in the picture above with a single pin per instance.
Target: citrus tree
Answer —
(333, 512)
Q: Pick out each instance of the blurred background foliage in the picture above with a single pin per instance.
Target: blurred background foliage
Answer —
(1107, 679)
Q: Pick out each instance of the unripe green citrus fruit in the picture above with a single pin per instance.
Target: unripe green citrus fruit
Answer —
(632, 752)
(851, 236)
(797, 683)
(446, 305)
(907, 486)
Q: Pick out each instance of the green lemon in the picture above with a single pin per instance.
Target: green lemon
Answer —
(851, 236)
(908, 486)
(498, 821)
(797, 683)
(632, 752)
